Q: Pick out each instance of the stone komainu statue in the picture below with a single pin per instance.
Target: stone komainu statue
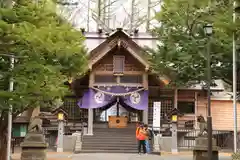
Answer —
(35, 125)
(202, 125)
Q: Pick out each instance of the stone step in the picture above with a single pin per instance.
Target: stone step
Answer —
(109, 148)
(114, 130)
(113, 133)
(110, 151)
(110, 145)
(112, 148)
(111, 136)
(110, 140)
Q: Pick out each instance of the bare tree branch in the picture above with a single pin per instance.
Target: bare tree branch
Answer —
(109, 5)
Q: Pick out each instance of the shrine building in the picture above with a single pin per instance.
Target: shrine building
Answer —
(120, 89)
(121, 84)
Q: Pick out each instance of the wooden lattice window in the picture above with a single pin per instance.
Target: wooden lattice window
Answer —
(131, 79)
(166, 107)
(186, 107)
(105, 79)
(118, 64)
(74, 112)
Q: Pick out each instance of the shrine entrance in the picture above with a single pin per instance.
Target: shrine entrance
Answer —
(116, 105)
(101, 115)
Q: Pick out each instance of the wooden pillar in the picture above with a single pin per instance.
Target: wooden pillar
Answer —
(175, 98)
(196, 108)
(90, 110)
(90, 121)
(145, 85)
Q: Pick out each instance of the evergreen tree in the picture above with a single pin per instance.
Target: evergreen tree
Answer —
(181, 53)
(47, 52)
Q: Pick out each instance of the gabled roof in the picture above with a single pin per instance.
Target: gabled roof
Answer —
(59, 109)
(94, 39)
(118, 39)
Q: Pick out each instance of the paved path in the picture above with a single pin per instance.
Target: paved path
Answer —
(110, 156)
(98, 156)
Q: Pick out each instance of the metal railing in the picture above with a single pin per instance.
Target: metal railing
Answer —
(186, 138)
(224, 139)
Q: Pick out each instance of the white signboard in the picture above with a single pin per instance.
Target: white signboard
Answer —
(156, 115)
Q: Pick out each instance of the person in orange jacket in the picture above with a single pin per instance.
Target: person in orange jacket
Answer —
(137, 128)
(141, 136)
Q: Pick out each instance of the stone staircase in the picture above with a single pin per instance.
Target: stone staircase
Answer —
(108, 140)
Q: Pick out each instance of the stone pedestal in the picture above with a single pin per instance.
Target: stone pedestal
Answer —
(174, 149)
(156, 143)
(34, 147)
(200, 151)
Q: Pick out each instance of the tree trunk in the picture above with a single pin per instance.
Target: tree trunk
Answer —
(3, 144)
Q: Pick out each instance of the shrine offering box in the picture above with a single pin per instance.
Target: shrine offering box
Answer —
(117, 122)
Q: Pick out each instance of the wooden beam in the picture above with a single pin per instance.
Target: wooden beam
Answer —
(145, 80)
(124, 73)
(119, 84)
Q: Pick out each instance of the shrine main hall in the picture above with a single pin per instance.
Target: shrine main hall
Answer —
(120, 87)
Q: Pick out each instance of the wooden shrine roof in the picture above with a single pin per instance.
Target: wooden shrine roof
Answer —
(118, 39)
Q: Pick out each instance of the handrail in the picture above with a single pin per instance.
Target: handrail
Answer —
(82, 130)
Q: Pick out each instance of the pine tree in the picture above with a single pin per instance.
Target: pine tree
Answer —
(48, 51)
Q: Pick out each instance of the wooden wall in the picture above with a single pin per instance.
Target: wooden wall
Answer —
(131, 64)
(222, 115)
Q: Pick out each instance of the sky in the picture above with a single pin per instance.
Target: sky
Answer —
(119, 10)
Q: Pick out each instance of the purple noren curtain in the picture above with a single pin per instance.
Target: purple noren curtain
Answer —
(132, 97)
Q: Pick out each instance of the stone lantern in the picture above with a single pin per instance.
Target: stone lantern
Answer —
(173, 115)
(61, 117)
(34, 145)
